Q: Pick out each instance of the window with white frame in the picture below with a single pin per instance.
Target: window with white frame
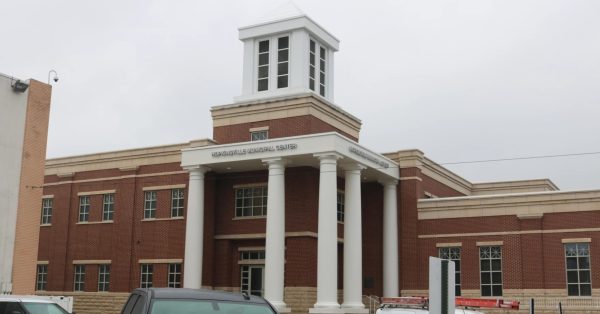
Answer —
(490, 258)
(41, 278)
(340, 206)
(259, 135)
(578, 269)
(283, 53)
(146, 275)
(263, 65)
(103, 277)
(108, 207)
(251, 201)
(453, 254)
(47, 211)
(84, 208)
(149, 204)
(177, 202)
(319, 81)
(174, 280)
(79, 278)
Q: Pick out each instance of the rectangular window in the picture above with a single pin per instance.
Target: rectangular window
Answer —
(283, 51)
(146, 278)
(259, 135)
(174, 279)
(340, 206)
(578, 269)
(47, 211)
(490, 258)
(103, 277)
(322, 56)
(84, 208)
(453, 254)
(312, 65)
(42, 278)
(149, 204)
(108, 207)
(79, 278)
(252, 255)
(251, 201)
(177, 203)
(252, 272)
(263, 65)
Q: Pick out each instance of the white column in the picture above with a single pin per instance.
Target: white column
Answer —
(352, 238)
(275, 239)
(390, 239)
(327, 238)
(194, 229)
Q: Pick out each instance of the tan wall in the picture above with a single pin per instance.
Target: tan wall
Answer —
(30, 192)
(95, 302)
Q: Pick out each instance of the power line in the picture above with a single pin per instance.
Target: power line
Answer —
(518, 158)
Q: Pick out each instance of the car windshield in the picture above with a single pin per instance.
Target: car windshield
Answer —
(162, 306)
(43, 308)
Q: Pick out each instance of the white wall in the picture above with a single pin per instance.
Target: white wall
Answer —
(13, 108)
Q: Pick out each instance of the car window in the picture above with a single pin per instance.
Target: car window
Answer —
(130, 303)
(10, 308)
(159, 306)
(43, 308)
(138, 308)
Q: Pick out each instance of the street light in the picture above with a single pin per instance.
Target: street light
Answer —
(55, 76)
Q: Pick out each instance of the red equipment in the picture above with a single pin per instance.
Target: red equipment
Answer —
(460, 301)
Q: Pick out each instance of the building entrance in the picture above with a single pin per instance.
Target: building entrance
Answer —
(253, 279)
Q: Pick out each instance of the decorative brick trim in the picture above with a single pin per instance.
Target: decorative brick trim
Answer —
(161, 261)
(489, 243)
(577, 240)
(91, 261)
(96, 192)
(455, 244)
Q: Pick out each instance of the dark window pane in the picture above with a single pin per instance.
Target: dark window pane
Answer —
(457, 279)
(263, 46)
(312, 59)
(282, 81)
(584, 276)
(573, 290)
(322, 90)
(311, 84)
(571, 249)
(485, 265)
(585, 289)
(571, 262)
(497, 290)
(322, 65)
(457, 291)
(572, 276)
(322, 77)
(263, 85)
(497, 277)
(486, 291)
(457, 265)
(496, 265)
(584, 263)
(263, 71)
(283, 42)
(282, 68)
(485, 278)
(322, 53)
(263, 59)
(282, 56)
(312, 46)
(312, 72)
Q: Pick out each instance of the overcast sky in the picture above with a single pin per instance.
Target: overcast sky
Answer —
(459, 80)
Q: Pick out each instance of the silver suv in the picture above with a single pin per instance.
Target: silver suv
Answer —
(28, 305)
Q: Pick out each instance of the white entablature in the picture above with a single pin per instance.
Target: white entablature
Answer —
(287, 54)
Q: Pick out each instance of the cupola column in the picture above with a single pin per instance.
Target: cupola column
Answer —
(275, 237)
(327, 237)
(194, 228)
(390, 239)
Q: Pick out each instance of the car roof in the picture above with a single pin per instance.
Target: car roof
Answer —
(25, 298)
(199, 294)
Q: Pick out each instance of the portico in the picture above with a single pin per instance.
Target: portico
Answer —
(335, 156)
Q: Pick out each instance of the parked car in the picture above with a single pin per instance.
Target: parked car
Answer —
(29, 305)
(193, 301)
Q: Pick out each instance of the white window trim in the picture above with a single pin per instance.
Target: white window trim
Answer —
(327, 71)
(273, 62)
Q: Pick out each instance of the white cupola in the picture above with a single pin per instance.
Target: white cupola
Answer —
(287, 54)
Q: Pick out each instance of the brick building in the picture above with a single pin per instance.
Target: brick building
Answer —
(284, 202)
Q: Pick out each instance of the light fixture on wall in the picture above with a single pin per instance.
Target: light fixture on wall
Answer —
(19, 86)
(55, 78)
